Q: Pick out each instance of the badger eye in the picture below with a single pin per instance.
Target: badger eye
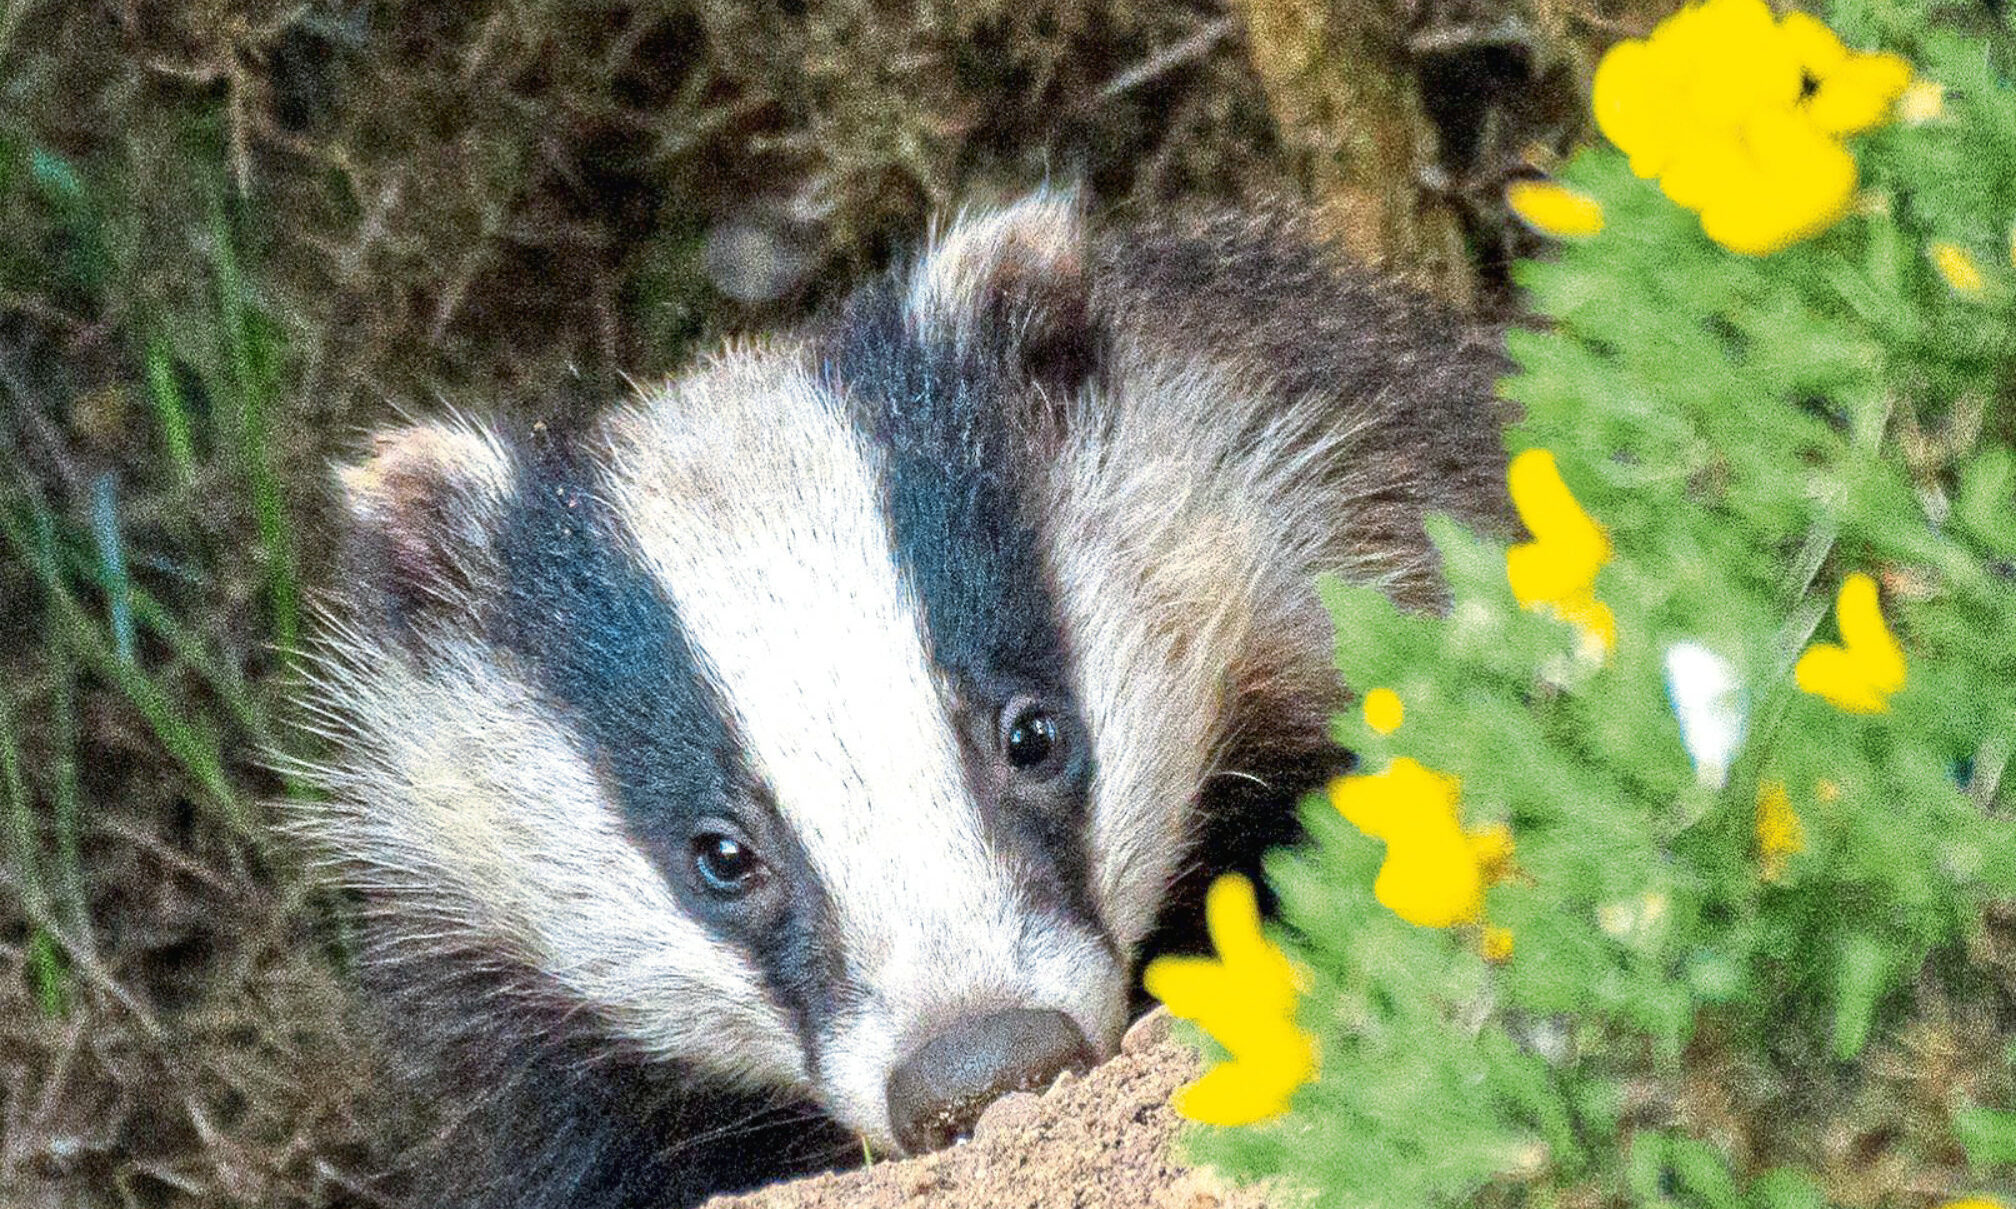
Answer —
(727, 865)
(1030, 737)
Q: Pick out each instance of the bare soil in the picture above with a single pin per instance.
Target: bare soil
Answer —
(1104, 1141)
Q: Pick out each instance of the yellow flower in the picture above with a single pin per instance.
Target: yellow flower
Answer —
(1244, 998)
(1860, 674)
(1557, 569)
(1780, 834)
(1434, 873)
(1924, 101)
(1496, 944)
(1554, 209)
(1780, 180)
(1959, 269)
(1568, 547)
(1594, 620)
(1861, 94)
(1703, 69)
(1383, 710)
(1716, 103)
(1972, 1203)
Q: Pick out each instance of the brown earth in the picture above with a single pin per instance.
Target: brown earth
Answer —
(1104, 1141)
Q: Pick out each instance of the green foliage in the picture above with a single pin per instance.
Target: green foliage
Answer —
(1676, 1025)
(82, 591)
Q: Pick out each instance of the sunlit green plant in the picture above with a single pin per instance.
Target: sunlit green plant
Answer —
(1745, 707)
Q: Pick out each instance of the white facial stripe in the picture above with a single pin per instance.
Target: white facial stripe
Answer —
(465, 795)
(1181, 544)
(467, 451)
(758, 508)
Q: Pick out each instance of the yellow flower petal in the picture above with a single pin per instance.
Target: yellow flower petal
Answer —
(1245, 999)
(1959, 269)
(1430, 876)
(1598, 625)
(1924, 101)
(1818, 49)
(1793, 183)
(1736, 61)
(1859, 94)
(1560, 564)
(1491, 848)
(1495, 944)
(1780, 834)
(1433, 884)
(1383, 710)
(1707, 167)
(1624, 97)
(1714, 105)
(1554, 209)
(1251, 1088)
(1406, 797)
(1187, 985)
(1868, 666)
(1828, 671)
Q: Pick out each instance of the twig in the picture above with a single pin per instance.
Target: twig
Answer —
(1169, 58)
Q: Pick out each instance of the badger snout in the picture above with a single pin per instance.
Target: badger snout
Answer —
(940, 1090)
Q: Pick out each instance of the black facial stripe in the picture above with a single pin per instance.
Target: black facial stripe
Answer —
(601, 640)
(954, 509)
(943, 418)
(1061, 877)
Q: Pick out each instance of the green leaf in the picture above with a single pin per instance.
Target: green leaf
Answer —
(1988, 1135)
(1987, 500)
(1645, 1167)
(1786, 1188)
(1703, 1171)
(1860, 975)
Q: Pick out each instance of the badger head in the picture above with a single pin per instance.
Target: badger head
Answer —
(832, 717)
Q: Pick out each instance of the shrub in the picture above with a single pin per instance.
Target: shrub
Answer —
(1746, 704)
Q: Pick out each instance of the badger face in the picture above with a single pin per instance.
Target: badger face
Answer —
(835, 718)
(745, 723)
(895, 828)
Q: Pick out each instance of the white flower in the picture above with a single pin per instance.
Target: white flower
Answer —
(1708, 700)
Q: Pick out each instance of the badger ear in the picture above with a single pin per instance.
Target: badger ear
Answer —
(1014, 283)
(424, 510)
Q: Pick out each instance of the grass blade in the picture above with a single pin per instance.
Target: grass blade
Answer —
(252, 353)
(193, 745)
(62, 715)
(45, 964)
(112, 556)
(171, 410)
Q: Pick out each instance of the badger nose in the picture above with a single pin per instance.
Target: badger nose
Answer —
(939, 1091)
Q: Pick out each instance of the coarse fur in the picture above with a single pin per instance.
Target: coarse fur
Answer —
(794, 612)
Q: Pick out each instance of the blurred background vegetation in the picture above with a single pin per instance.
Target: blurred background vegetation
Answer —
(236, 234)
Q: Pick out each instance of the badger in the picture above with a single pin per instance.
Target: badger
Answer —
(807, 751)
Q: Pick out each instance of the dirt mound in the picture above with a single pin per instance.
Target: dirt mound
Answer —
(1105, 1140)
